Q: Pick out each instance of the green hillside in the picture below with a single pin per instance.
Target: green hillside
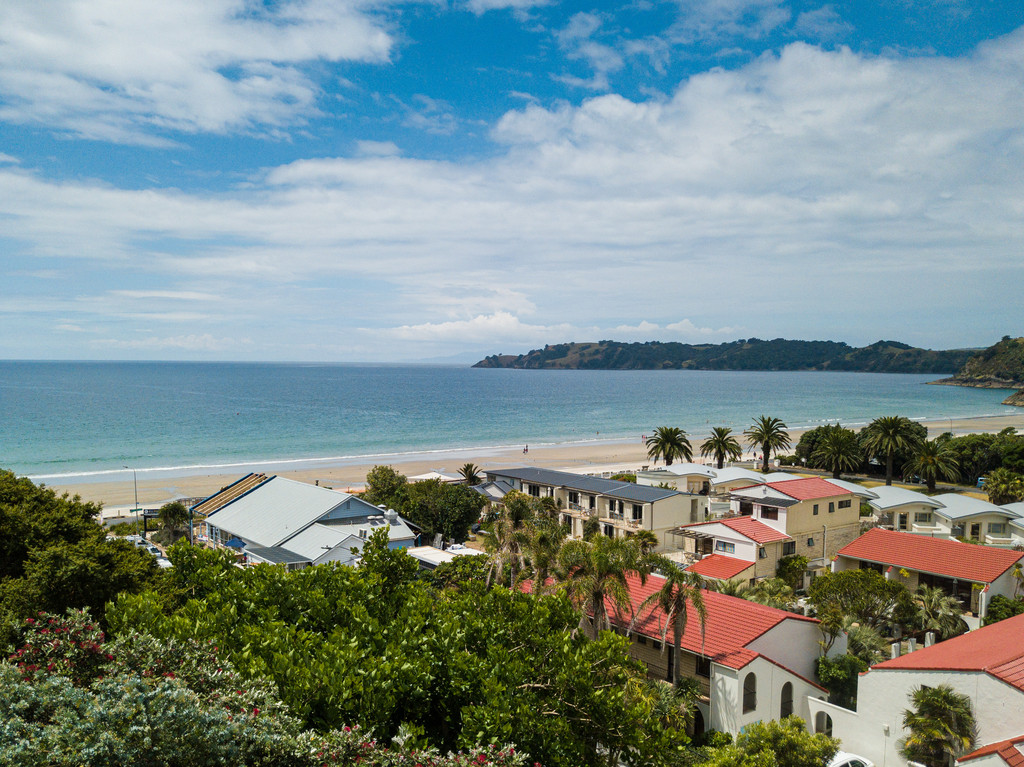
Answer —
(745, 354)
(1000, 366)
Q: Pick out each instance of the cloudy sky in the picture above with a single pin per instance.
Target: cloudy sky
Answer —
(364, 180)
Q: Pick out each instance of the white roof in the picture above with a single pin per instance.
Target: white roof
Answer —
(276, 510)
(853, 487)
(780, 476)
(734, 473)
(887, 497)
(1018, 510)
(435, 556)
(690, 470)
(435, 475)
(959, 506)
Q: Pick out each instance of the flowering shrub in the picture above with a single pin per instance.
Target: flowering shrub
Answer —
(68, 645)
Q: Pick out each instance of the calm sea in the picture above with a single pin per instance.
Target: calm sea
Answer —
(82, 419)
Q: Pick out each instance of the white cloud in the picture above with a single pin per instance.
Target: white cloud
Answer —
(174, 295)
(822, 24)
(483, 6)
(125, 71)
(577, 40)
(191, 343)
(712, 20)
(860, 192)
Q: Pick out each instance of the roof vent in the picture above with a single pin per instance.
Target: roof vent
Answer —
(929, 639)
(895, 650)
(911, 645)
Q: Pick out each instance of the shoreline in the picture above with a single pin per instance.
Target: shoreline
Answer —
(592, 456)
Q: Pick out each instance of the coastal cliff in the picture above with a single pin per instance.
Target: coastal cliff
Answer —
(1015, 399)
(1000, 366)
(745, 354)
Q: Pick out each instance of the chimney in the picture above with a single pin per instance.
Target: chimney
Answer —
(929, 639)
(911, 645)
(895, 650)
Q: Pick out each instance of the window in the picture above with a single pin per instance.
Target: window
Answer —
(845, 504)
(923, 517)
(831, 506)
(996, 528)
(789, 547)
(786, 705)
(638, 512)
(767, 513)
(749, 692)
(746, 508)
(609, 531)
(810, 542)
(725, 546)
(533, 490)
(641, 639)
(815, 509)
(703, 666)
(593, 501)
(823, 724)
(762, 553)
(574, 497)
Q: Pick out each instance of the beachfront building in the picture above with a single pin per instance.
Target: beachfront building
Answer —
(809, 516)
(972, 573)
(732, 477)
(986, 665)
(620, 508)
(905, 510)
(686, 477)
(281, 521)
(1016, 523)
(963, 516)
(753, 663)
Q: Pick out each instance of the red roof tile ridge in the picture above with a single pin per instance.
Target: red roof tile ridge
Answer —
(807, 488)
(1007, 750)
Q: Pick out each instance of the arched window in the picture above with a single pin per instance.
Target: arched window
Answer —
(823, 724)
(787, 700)
(749, 692)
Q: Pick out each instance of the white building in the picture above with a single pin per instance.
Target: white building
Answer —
(963, 516)
(906, 510)
(986, 665)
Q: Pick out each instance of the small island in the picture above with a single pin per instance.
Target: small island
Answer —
(1000, 366)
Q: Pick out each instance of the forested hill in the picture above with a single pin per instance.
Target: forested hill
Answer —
(745, 354)
(1000, 366)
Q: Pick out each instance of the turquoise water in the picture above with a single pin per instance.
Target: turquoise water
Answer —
(81, 419)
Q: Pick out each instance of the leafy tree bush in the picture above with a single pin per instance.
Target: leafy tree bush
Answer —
(439, 507)
(864, 595)
(1001, 608)
(385, 485)
(839, 676)
(783, 743)
(791, 570)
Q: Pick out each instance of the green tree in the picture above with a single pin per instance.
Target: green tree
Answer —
(889, 435)
(839, 676)
(722, 445)
(506, 544)
(594, 575)
(783, 743)
(442, 507)
(1004, 486)
(544, 539)
(385, 486)
(174, 517)
(646, 541)
(770, 434)
(735, 588)
(669, 443)
(791, 569)
(939, 612)
(1001, 608)
(865, 642)
(933, 460)
(470, 474)
(864, 595)
(679, 593)
(773, 592)
(940, 726)
(837, 450)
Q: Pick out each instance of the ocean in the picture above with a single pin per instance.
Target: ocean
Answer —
(73, 421)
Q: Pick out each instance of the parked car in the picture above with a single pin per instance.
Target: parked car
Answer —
(843, 759)
(153, 550)
(164, 562)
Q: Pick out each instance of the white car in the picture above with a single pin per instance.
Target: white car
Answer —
(164, 562)
(843, 759)
(153, 550)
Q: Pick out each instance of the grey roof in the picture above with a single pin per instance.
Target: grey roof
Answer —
(494, 491)
(276, 510)
(1017, 509)
(852, 487)
(319, 538)
(277, 555)
(627, 491)
(733, 473)
(765, 496)
(888, 497)
(958, 506)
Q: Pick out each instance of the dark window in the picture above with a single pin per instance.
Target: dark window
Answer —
(831, 506)
(746, 508)
(815, 509)
(703, 666)
(638, 512)
(609, 531)
(533, 490)
(593, 501)
(749, 692)
(789, 547)
(786, 708)
(810, 541)
(769, 513)
(762, 553)
(845, 504)
(574, 497)
(641, 640)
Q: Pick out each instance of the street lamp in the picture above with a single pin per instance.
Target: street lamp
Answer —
(135, 481)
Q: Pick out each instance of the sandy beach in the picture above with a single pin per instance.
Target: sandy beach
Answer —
(153, 491)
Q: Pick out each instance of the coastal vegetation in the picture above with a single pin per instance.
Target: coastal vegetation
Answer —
(669, 443)
(770, 434)
(1000, 366)
(888, 436)
(437, 508)
(721, 445)
(941, 726)
(744, 354)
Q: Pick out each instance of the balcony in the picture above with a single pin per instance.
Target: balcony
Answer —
(995, 539)
(578, 512)
(617, 519)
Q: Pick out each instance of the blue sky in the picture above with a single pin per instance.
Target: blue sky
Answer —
(377, 181)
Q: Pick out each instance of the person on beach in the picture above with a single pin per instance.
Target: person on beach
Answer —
(526, 449)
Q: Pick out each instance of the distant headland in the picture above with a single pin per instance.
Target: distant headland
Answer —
(744, 354)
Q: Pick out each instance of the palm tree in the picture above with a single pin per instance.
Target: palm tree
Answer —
(889, 435)
(543, 540)
(721, 444)
(773, 592)
(509, 537)
(735, 588)
(865, 642)
(646, 541)
(770, 434)
(470, 474)
(680, 592)
(939, 612)
(941, 726)
(837, 450)
(932, 460)
(594, 574)
(174, 516)
(1004, 486)
(669, 443)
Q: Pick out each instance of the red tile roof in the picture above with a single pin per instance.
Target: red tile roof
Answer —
(939, 556)
(753, 529)
(719, 566)
(1007, 750)
(996, 649)
(731, 624)
(807, 488)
